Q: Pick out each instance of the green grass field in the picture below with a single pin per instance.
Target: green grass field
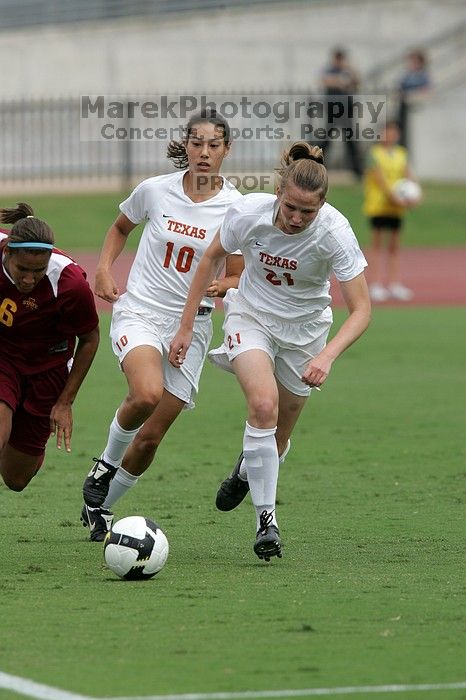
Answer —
(80, 221)
(371, 587)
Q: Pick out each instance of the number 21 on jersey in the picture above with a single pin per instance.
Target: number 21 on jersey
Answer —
(274, 278)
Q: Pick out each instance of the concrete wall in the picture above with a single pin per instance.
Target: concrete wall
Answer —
(438, 137)
(238, 49)
(264, 48)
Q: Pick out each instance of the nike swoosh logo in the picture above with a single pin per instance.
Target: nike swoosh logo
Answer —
(259, 244)
(167, 216)
(100, 471)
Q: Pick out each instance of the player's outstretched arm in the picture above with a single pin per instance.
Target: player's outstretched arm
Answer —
(205, 272)
(115, 240)
(356, 296)
(61, 416)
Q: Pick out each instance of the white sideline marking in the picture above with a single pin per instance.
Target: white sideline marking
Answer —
(31, 689)
(306, 692)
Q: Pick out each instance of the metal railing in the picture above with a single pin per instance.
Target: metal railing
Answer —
(55, 140)
(41, 140)
(28, 13)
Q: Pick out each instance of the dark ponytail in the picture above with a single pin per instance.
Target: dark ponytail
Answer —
(26, 227)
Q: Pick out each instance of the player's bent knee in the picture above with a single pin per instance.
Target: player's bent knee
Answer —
(18, 471)
(15, 484)
(263, 411)
(146, 403)
(146, 445)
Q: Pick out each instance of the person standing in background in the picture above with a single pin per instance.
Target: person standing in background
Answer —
(339, 78)
(415, 85)
(387, 163)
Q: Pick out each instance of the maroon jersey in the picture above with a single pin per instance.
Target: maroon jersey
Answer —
(38, 330)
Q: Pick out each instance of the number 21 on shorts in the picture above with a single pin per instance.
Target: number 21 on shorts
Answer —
(233, 340)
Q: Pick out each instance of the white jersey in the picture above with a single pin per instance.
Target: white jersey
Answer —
(288, 275)
(176, 234)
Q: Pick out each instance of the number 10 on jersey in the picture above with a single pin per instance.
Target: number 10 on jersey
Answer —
(182, 261)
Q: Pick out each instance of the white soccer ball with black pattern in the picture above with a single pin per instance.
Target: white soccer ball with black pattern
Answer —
(135, 548)
(408, 191)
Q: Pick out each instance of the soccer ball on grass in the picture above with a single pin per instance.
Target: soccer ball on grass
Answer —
(135, 548)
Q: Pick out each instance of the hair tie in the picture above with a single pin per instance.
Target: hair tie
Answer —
(317, 159)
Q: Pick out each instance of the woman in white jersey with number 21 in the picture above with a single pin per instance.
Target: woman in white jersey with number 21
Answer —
(183, 212)
(277, 321)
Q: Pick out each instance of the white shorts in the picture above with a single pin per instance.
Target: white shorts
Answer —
(290, 346)
(133, 325)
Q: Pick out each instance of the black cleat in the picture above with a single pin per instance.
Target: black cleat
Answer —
(268, 543)
(232, 490)
(98, 520)
(97, 482)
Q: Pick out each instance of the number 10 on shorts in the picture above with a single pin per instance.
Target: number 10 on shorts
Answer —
(121, 342)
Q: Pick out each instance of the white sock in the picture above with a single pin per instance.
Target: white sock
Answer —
(261, 462)
(260, 510)
(242, 471)
(281, 458)
(117, 443)
(119, 485)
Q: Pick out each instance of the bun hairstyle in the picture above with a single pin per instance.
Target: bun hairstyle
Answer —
(176, 150)
(303, 165)
(27, 228)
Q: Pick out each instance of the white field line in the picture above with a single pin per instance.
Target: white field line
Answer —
(305, 692)
(31, 689)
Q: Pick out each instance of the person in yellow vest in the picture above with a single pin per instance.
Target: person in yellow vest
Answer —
(387, 163)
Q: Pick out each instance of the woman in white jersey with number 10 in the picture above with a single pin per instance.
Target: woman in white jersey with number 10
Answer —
(277, 321)
(183, 212)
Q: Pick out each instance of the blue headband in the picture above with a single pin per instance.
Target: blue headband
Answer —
(25, 244)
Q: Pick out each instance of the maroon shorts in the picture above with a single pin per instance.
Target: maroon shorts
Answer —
(31, 398)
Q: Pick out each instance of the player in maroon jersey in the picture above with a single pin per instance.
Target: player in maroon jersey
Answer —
(45, 306)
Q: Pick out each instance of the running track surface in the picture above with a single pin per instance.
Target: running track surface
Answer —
(437, 276)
